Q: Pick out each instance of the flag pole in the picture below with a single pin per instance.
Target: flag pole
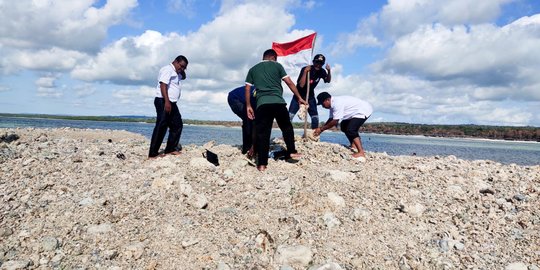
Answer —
(306, 112)
(308, 90)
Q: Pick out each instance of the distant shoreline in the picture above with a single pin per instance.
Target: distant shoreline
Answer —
(499, 133)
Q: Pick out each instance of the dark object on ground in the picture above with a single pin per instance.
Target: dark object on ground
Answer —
(278, 155)
(121, 156)
(109, 140)
(9, 138)
(211, 157)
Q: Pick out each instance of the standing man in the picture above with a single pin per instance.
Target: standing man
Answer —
(168, 116)
(237, 102)
(316, 73)
(267, 76)
(352, 112)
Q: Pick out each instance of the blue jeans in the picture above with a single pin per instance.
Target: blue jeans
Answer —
(312, 110)
(248, 132)
(164, 121)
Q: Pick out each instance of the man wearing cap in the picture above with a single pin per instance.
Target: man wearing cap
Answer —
(316, 73)
(168, 115)
(266, 76)
(352, 112)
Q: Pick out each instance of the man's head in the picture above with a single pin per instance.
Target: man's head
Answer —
(318, 61)
(324, 99)
(180, 63)
(270, 54)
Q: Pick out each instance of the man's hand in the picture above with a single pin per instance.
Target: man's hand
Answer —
(250, 113)
(317, 131)
(327, 67)
(302, 101)
(168, 106)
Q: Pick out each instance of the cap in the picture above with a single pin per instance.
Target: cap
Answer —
(319, 58)
(322, 97)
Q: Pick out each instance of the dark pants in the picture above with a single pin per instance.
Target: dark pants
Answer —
(351, 126)
(248, 127)
(312, 110)
(172, 121)
(264, 117)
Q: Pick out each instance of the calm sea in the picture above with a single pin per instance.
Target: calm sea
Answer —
(506, 152)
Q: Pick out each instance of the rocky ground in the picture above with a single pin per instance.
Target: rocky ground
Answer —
(89, 199)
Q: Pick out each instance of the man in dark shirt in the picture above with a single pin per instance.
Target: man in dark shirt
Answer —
(267, 77)
(316, 73)
(237, 102)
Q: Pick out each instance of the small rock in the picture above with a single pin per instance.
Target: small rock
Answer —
(134, 251)
(86, 201)
(299, 256)
(99, 229)
(341, 176)
(49, 243)
(8, 138)
(15, 265)
(110, 254)
(223, 266)
(189, 243)
(5, 232)
(228, 173)
(198, 201)
(327, 266)
(330, 220)
(516, 266)
(360, 214)
(335, 199)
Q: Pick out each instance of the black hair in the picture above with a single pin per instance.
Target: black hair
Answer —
(269, 53)
(181, 58)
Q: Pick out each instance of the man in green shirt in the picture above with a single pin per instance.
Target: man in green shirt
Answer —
(267, 76)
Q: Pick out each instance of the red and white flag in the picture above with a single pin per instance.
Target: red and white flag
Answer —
(295, 54)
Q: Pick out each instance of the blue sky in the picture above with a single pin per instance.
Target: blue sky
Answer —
(416, 61)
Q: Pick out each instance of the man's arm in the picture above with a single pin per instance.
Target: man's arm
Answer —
(291, 86)
(330, 123)
(303, 79)
(250, 113)
(329, 75)
(165, 94)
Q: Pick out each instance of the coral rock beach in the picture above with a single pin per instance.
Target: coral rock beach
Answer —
(90, 199)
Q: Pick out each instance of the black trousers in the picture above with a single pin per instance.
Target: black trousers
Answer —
(351, 126)
(248, 127)
(264, 119)
(164, 121)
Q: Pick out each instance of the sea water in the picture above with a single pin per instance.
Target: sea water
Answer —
(506, 152)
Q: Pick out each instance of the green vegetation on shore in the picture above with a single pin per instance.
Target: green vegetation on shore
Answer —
(467, 131)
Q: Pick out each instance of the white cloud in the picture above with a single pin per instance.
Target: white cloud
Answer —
(402, 17)
(71, 25)
(46, 86)
(4, 88)
(184, 7)
(84, 90)
(497, 61)
(214, 51)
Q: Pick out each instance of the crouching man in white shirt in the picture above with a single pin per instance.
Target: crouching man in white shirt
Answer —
(352, 112)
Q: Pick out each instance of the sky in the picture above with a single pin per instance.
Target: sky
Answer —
(415, 61)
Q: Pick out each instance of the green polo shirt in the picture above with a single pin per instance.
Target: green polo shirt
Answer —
(266, 76)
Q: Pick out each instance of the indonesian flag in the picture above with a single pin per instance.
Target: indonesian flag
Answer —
(295, 54)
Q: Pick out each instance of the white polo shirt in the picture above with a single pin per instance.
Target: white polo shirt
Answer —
(168, 75)
(347, 107)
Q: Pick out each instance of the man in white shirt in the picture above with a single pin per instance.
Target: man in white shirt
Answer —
(352, 112)
(168, 116)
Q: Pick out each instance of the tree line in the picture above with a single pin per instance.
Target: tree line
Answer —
(526, 133)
